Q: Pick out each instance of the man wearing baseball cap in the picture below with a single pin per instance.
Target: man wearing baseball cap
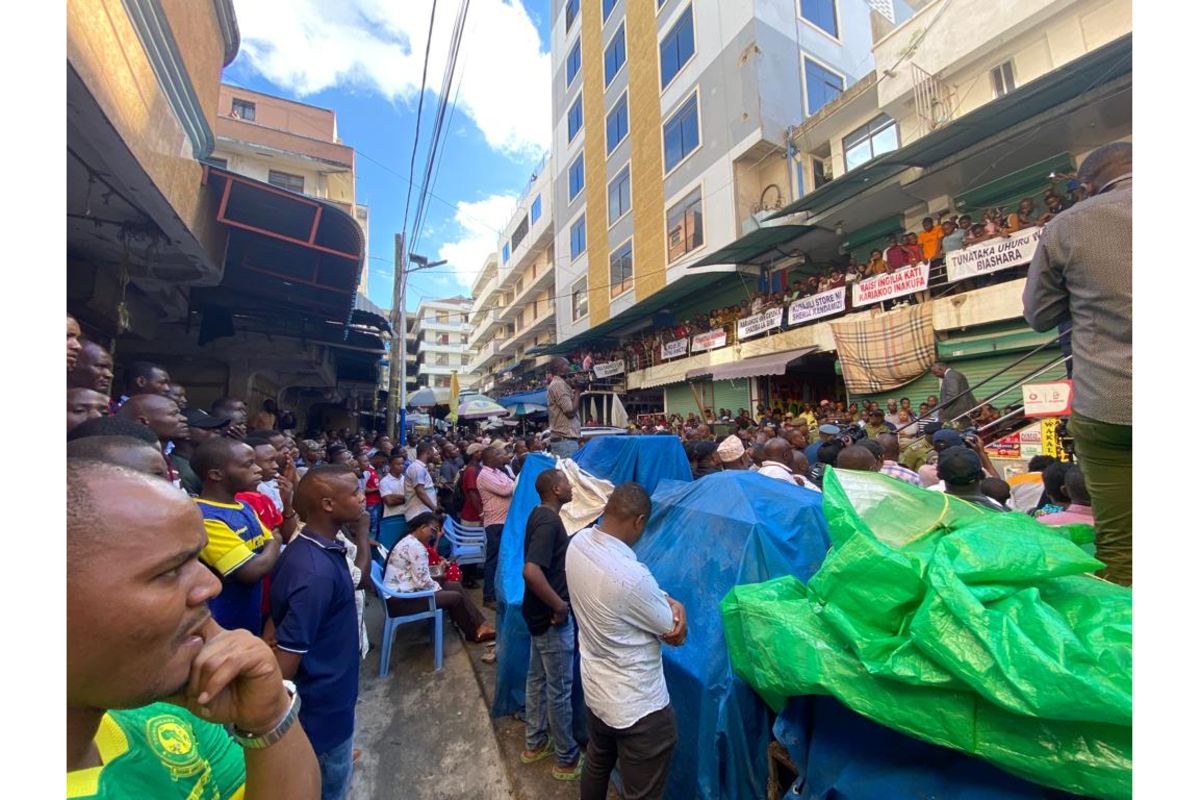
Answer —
(201, 427)
(961, 470)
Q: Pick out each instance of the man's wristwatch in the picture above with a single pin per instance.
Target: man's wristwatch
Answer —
(252, 741)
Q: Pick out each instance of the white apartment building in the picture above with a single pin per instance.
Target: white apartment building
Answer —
(513, 312)
(441, 330)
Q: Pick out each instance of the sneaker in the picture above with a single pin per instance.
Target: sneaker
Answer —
(571, 773)
(534, 756)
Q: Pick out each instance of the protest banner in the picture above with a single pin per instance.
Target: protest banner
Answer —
(817, 306)
(904, 281)
(759, 323)
(708, 341)
(992, 255)
(675, 349)
(609, 369)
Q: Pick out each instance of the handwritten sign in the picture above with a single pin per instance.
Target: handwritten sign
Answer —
(817, 306)
(609, 369)
(709, 341)
(759, 323)
(1047, 399)
(675, 349)
(904, 281)
(992, 255)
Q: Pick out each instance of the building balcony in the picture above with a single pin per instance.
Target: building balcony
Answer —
(531, 286)
(541, 322)
(330, 154)
(486, 356)
(483, 325)
(441, 369)
(432, 325)
(484, 293)
(437, 347)
(486, 276)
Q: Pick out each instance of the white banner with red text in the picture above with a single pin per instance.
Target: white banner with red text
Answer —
(674, 349)
(817, 306)
(759, 323)
(609, 369)
(709, 341)
(904, 281)
(992, 255)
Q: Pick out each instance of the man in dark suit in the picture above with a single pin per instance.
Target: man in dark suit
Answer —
(954, 384)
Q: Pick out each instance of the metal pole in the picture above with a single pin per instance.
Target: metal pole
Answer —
(399, 354)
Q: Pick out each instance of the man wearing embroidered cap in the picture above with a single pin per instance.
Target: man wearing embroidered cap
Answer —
(732, 453)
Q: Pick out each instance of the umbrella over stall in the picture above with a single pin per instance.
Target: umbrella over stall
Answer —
(481, 408)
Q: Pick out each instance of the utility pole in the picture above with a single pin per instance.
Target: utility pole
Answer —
(398, 368)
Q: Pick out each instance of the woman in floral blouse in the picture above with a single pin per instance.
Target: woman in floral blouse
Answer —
(407, 570)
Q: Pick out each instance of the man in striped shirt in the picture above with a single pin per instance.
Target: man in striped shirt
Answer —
(891, 458)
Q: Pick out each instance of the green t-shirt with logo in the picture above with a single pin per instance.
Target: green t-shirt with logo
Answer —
(161, 751)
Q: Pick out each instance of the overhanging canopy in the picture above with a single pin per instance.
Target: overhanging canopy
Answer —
(1104, 64)
(537, 398)
(774, 364)
(754, 244)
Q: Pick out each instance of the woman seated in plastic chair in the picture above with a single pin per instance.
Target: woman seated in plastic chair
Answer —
(407, 570)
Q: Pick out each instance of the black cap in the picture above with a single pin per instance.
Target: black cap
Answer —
(959, 466)
(201, 419)
(876, 413)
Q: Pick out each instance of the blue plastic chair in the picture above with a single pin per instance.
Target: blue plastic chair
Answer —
(390, 623)
(467, 543)
(392, 530)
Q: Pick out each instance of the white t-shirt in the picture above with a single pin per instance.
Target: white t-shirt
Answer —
(416, 475)
(390, 484)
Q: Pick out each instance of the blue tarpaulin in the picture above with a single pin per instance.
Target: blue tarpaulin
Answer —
(841, 754)
(704, 538)
(645, 459)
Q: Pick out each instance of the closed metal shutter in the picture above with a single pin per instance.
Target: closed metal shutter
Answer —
(732, 395)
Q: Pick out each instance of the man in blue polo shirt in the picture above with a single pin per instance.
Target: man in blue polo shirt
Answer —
(316, 624)
(240, 549)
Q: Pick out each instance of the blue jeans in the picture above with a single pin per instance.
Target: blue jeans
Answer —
(491, 559)
(376, 513)
(548, 692)
(337, 767)
(564, 448)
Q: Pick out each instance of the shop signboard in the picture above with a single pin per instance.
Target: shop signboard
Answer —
(675, 349)
(817, 306)
(1047, 399)
(708, 341)
(609, 369)
(902, 282)
(759, 323)
(992, 255)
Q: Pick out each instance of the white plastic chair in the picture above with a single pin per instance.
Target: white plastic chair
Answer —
(390, 623)
(467, 543)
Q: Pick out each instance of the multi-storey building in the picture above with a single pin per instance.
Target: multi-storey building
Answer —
(440, 329)
(513, 313)
(670, 139)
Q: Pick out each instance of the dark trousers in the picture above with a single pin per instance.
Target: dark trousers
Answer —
(643, 751)
(1105, 454)
(453, 598)
(490, 560)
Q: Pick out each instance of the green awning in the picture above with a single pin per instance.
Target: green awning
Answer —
(875, 232)
(753, 245)
(1102, 65)
(1008, 190)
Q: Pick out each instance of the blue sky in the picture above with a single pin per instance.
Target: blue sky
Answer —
(363, 59)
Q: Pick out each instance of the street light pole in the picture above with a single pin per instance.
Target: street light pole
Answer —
(397, 377)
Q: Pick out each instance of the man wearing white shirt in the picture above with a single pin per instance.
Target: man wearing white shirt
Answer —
(778, 452)
(391, 487)
(623, 618)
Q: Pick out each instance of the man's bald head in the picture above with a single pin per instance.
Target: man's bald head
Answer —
(558, 366)
(323, 488)
(628, 502)
(122, 451)
(858, 458)
(157, 412)
(891, 446)
(103, 498)
(1105, 163)
(778, 449)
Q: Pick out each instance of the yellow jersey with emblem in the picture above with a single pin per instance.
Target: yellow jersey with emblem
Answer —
(164, 752)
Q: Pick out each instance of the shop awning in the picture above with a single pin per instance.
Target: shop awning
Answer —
(525, 398)
(774, 364)
(754, 244)
(1102, 65)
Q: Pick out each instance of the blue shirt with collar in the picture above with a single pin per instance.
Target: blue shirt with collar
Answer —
(312, 605)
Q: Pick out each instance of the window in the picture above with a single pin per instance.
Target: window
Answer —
(607, 8)
(574, 62)
(877, 137)
(620, 269)
(618, 196)
(575, 118)
(616, 127)
(1003, 79)
(243, 109)
(285, 181)
(681, 133)
(677, 47)
(218, 162)
(535, 210)
(505, 252)
(519, 234)
(575, 179)
(579, 299)
(819, 176)
(685, 226)
(822, 14)
(614, 55)
(572, 12)
(820, 85)
(578, 238)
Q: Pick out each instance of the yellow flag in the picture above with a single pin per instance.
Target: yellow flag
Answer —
(453, 417)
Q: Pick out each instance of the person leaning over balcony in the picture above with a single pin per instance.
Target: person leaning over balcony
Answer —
(1082, 273)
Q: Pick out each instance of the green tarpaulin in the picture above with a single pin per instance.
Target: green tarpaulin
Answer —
(971, 629)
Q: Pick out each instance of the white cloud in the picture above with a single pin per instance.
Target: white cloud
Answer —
(306, 46)
(478, 222)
